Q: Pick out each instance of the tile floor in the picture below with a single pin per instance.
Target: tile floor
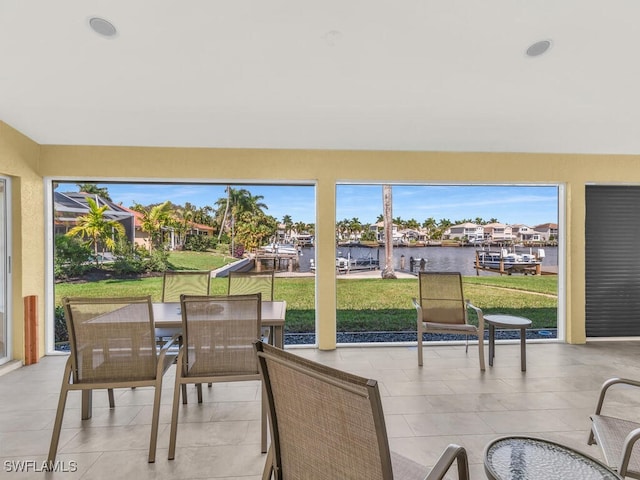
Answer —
(448, 400)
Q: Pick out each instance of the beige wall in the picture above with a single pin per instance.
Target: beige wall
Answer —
(19, 161)
(325, 168)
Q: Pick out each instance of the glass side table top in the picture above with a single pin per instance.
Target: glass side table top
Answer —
(524, 458)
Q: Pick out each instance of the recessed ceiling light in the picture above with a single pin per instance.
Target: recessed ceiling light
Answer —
(538, 48)
(102, 27)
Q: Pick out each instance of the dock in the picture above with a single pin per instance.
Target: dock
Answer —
(276, 261)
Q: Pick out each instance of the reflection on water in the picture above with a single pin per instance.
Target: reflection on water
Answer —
(438, 259)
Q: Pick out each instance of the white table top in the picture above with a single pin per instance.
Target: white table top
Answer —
(507, 321)
(167, 315)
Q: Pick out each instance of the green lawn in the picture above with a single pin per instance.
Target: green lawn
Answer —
(370, 304)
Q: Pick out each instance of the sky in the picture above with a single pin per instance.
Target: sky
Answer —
(529, 205)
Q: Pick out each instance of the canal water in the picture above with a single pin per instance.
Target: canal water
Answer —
(437, 259)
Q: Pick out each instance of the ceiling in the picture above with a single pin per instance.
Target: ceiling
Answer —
(435, 75)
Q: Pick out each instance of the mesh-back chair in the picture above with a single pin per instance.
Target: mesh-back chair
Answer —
(244, 283)
(187, 282)
(218, 334)
(441, 308)
(182, 282)
(615, 427)
(327, 424)
(113, 345)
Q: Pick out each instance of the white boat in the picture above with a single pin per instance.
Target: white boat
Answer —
(348, 264)
(280, 248)
(509, 261)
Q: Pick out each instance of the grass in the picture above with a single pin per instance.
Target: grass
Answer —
(370, 304)
(198, 260)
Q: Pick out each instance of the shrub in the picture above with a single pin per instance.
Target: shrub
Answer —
(72, 257)
(128, 258)
(199, 243)
(61, 335)
(158, 261)
(223, 248)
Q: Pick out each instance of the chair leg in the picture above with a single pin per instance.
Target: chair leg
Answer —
(184, 394)
(199, 389)
(481, 351)
(419, 345)
(155, 419)
(268, 466)
(57, 424)
(263, 419)
(174, 415)
(466, 348)
(87, 404)
(112, 402)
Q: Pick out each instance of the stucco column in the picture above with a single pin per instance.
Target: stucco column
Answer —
(325, 265)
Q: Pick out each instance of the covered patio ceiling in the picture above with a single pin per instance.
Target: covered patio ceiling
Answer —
(402, 75)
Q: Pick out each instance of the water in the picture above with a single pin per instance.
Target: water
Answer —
(438, 259)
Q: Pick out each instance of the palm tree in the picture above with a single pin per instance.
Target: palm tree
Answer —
(153, 219)
(97, 228)
(301, 227)
(430, 226)
(288, 224)
(355, 226)
(94, 189)
(388, 271)
(237, 202)
(183, 218)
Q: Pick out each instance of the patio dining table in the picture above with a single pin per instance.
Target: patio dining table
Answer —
(168, 319)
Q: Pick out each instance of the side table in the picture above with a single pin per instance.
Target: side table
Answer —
(508, 322)
(525, 458)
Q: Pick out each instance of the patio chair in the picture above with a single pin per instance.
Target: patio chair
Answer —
(176, 283)
(331, 425)
(242, 283)
(617, 436)
(113, 345)
(441, 308)
(187, 282)
(218, 334)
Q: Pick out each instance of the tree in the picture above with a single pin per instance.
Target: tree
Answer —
(301, 227)
(94, 189)
(253, 229)
(97, 228)
(153, 219)
(388, 271)
(235, 203)
(430, 226)
(288, 224)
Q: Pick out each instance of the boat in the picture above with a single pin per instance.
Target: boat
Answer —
(509, 262)
(349, 264)
(280, 248)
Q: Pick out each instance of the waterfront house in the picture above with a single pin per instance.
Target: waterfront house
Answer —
(497, 233)
(466, 231)
(547, 231)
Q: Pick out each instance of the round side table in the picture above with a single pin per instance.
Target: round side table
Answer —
(508, 322)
